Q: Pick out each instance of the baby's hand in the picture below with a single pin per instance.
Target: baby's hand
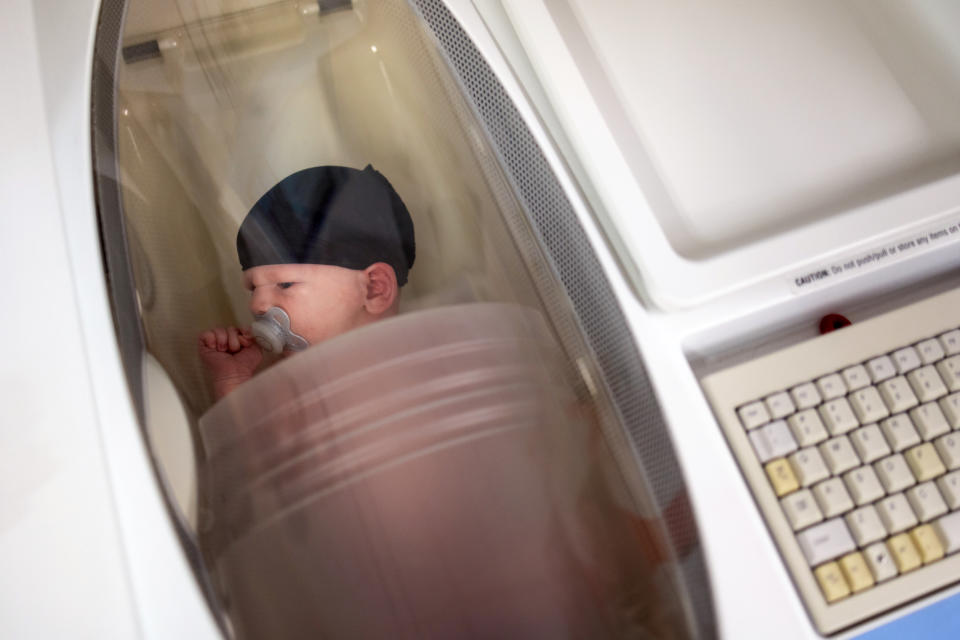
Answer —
(231, 357)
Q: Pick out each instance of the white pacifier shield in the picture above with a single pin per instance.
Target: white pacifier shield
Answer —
(272, 332)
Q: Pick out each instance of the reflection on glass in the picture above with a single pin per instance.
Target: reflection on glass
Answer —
(442, 472)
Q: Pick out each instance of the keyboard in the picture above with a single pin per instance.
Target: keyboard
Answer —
(850, 444)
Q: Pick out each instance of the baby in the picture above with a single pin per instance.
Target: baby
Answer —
(324, 251)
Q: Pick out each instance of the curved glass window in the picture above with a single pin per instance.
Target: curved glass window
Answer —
(484, 458)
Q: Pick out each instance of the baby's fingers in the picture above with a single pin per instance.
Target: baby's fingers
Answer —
(222, 338)
(246, 336)
(208, 339)
(233, 339)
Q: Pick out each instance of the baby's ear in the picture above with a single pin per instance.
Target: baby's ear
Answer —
(382, 288)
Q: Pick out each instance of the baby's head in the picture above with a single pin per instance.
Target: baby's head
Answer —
(331, 247)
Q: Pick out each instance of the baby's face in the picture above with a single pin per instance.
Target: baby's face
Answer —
(322, 301)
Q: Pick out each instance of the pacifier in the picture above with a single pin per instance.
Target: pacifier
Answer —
(272, 332)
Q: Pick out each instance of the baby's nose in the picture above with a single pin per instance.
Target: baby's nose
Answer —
(259, 302)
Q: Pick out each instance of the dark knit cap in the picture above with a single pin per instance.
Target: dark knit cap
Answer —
(329, 215)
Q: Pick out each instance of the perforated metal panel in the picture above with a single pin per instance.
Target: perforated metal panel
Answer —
(575, 265)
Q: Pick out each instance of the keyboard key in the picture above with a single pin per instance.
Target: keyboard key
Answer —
(855, 570)
(926, 502)
(808, 466)
(864, 485)
(881, 368)
(832, 582)
(839, 455)
(825, 541)
(951, 409)
(801, 509)
(856, 377)
(895, 513)
(831, 386)
(948, 447)
(781, 477)
(754, 414)
(897, 394)
(906, 359)
(870, 443)
(949, 370)
(950, 489)
(838, 416)
(904, 552)
(900, 432)
(865, 525)
(807, 428)
(805, 395)
(832, 497)
(930, 350)
(951, 342)
(773, 440)
(924, 462)
(880, 561)
(926, 384)
(867, 405)
(779, 405)
(927, 543)
(948, 530)
(894, 473)
(929, 421)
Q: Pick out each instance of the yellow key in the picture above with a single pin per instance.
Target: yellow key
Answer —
(781, 477)
(924, 462)
(904, 553)
(831, 581)
(856, 572)
(926, 540)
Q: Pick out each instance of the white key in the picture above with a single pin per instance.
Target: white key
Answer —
(856, 377)
(801, 509)
(930, 350)
(838, 416)
(896, 514)
(950, 489)
(951, 342)
(832, 497)
(926, 501)
(880, 561)
(805, 395)
(881, 368)
(926, 383)
(773, 441)
(894, 473)
(831, 386)
(906, 359)
(807, 427)
(929, 421)
(864, 485)
(951, 409)
(808, 466)
(839, 455)
(865, 525)
(779, 405)
(900, 432)
(867, 405)
(754, 414)
(825, 541)
(948, 530)
(870, 443)
(949, 370)
(897, 394)
(948, 447)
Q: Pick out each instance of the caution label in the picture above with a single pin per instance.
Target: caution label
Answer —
(875, 257)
